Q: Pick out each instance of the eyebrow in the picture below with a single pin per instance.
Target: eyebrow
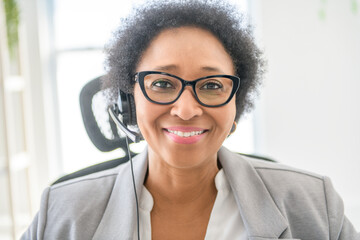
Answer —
(211, 69)
(166, 67)
(174, 67)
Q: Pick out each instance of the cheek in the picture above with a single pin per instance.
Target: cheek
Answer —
(147, 113)
(228, 113)
(141, 105)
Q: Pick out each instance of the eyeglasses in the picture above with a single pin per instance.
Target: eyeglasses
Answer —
(210, 91)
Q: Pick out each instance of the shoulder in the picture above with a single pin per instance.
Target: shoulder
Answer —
(286, 183)
(78, 204)
(284, 174)
(307, 200)
(77, 193)
(294, 187)
(270, 172)
(100, 181)
(82, 189)
(74, 208)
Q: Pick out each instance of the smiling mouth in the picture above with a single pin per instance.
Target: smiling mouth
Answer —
(185, 134)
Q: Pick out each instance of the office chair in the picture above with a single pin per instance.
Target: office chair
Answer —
(100, 128)
(103, 132)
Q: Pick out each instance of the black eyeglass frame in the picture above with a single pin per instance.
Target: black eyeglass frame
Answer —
(140, 76)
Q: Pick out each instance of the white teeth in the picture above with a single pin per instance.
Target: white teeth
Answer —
(185, 134)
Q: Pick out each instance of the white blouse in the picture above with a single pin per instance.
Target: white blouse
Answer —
(225, 219)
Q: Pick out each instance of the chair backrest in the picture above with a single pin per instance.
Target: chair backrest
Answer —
(100, 128)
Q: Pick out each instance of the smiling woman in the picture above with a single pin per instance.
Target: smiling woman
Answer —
(189, 69)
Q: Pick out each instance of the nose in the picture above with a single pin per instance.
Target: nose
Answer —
(186, 107)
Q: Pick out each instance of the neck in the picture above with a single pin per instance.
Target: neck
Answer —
(172, 186)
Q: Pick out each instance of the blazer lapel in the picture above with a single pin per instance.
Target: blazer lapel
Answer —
(262, 219)
(119, 219)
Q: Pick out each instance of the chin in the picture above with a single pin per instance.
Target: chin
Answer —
(189, 158)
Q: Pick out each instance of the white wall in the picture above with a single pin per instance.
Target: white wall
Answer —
(308, 114)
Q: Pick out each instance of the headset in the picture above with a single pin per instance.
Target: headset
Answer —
(123, 113)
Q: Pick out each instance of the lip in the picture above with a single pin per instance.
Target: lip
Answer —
(184, 140)
(185, 128)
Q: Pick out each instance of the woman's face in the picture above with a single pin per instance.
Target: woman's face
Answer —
(189, 53)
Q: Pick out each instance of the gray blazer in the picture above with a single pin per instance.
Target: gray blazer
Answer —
(275, 202)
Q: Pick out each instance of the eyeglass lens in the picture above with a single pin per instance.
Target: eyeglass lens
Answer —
(210, 91)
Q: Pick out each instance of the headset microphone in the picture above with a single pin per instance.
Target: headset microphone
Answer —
(116, 115)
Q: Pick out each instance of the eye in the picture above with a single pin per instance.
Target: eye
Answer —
(211, 85)
(162, 83)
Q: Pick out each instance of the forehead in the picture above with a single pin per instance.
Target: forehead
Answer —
(186, 49)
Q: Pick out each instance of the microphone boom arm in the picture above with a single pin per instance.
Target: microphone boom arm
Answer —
(132, 135)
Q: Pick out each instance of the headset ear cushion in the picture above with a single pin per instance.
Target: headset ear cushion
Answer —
(124, 107)
(132, 109)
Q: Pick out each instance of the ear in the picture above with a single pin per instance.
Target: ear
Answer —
(233, 128)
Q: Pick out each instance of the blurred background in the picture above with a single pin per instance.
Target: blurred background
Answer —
(307, 113)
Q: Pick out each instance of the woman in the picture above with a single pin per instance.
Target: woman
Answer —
(191, 69)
